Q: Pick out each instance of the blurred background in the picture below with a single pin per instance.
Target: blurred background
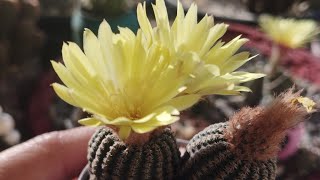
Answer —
(32, 33)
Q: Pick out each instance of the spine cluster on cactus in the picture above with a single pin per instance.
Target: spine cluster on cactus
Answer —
(109, 157)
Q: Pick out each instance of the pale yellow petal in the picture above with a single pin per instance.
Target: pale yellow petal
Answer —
(90, 122)
(164, 119)
(219, 56)
(235, 62)
(145, 119)
(228, 93)
(64, 74)
(216, 32)
(213, 69)
(121, 121)
(93, 51)
(178, 26)
(216, 89)
(191, 19)
(64, 93)
(184, 102)
(245, 76)
(105, 38)
(124, 132)
(75, 66)
(89, 103)
(142, 128)
(144, 22)
(76, 53)
(196, 40)
(242, 89)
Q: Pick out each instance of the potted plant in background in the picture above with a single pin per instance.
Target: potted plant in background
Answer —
(57, 8)
(265, 6)
(285, 34)
(288, 35)
(9, 136)
(21, 42)
(92, 12)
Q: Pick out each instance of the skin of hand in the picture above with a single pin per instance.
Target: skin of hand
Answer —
(53, 156)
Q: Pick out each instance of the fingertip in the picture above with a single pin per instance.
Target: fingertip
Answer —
(54, 155)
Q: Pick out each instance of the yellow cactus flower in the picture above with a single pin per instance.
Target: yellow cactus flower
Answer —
(288, 32)
(122, 83)
(187, 37)
(136, 82)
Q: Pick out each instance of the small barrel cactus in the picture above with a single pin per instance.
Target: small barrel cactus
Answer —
(244, 147)
(111, 158)
(209, 155)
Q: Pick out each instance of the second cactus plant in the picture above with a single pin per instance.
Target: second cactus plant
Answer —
(111, 158)
(246, 146)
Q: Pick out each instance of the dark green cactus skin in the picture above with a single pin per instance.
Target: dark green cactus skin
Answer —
(111, 158)
(208, 156)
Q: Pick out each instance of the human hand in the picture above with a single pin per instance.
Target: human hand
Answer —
(53, 156)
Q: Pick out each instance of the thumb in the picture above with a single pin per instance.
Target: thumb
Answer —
(52, 156)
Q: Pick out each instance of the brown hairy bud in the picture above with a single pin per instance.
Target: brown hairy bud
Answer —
(255, 133)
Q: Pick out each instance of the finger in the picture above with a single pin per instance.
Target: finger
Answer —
(52, 156)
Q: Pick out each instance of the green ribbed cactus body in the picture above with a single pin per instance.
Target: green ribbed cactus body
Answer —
(209, 156)
(111, 158)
